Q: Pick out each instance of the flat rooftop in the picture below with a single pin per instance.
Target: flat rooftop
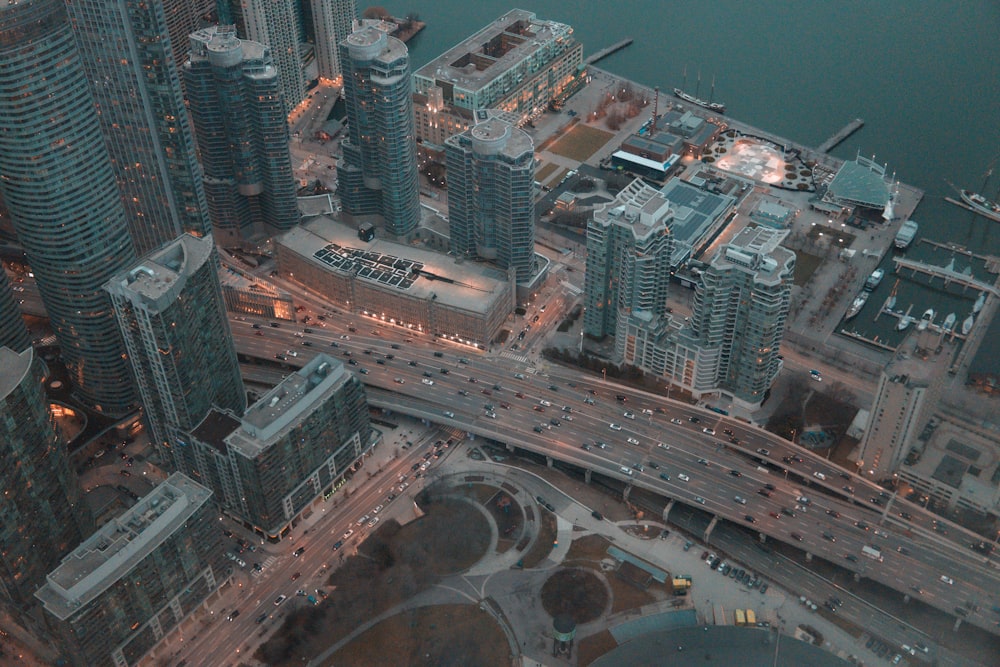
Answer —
(157, 279)
(417, 273)
(696, 211)
(215, 428)
(488, 54)
(119, 545)
(286, 405)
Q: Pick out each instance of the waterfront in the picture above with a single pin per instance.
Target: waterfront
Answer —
(915, 71)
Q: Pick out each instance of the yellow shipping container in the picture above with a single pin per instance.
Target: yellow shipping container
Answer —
(751, 617)
(740, 618)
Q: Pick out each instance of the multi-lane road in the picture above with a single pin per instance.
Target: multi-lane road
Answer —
(732, 469)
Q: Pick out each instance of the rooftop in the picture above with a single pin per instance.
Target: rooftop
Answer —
(642, 208)
(488, 54)
(860, 181)
(286, 405)
(119, 545)
(696, 210)
(157, 280)
(420, 274)
(759, 249)
(13, 367)
(215, 428)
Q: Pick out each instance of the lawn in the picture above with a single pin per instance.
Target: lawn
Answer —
(581, 142)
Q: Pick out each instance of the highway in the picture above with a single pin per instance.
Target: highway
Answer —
(655, 444)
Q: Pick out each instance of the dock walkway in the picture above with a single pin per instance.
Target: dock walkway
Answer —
(845, 132)
(607, 51)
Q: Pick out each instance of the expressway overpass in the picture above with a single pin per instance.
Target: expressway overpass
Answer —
(684, 453)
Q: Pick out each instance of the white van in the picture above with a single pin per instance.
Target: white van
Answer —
(819, 475)
(625, 470)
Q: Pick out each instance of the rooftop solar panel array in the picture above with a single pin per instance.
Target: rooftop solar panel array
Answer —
(386, 269)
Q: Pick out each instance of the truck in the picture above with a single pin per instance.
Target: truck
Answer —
(872, 552)
(751, 617)
(681, 585)
(739, 618)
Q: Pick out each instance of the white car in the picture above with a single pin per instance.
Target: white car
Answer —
(684, 478)
(278, 600)
(448, 414)
(615, 427)
(628, 414)
(427, 381)
(491, 414)
(677, 421)
(348, 534)
(633, 441)
(709, 431)
(372, 523)
(547, 404)
(663, 445)
(647, 411)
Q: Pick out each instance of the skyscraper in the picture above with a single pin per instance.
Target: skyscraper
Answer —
(170, 310)
(240, 121)
(740, 309)
(491, 209)
(185, 17)
(60, 189)
(129, 60)
(13, 333)
(378, 175)
(275, 24)
(333, 21)
(134, 580)
(629, 244)
(43, 516)
(292, 445)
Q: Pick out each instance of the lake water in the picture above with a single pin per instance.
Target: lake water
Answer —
(924, 75)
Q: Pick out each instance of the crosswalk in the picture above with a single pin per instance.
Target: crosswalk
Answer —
(506, 354)
(263, 566)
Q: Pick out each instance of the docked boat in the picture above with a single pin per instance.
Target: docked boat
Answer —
(904, 322)
(926, 319)
(981, 205)
(949, 322)
(717, 107)
(907, 232)
(874, 279)
(980, 302)
(856, 305)
(967, 324)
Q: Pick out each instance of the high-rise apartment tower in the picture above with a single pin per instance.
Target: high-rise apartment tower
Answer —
(332, 21)
(275, 24)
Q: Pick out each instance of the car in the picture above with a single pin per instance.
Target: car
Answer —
(519, 395)
(829, 536)
(920, 647)
(473, 380)
(338, 544)
(427, 382)
(261, 618)
(764, 492)
(615, 427)
(818, 378)
(774, 515)
(378, 509)
(399, 380)
(861, 524)
(896, 658)
(749, 518)
(704, 462)
(633, 441)
(602, 445)
(796, 536)
(654, 465)
(675, 420)
(298, 552)
(834, 513)
(851, 557)
(538, 429)
(519, 376)
(735, 473)
(462, 392)
(373, 522)
(547, 404)
(491, 414)
(639, 467)
(820, 476)
(663, 445)
(555, 422)
(948, 580)
(698, 499)
(444, 371)
(769, 486)
(449, 414)
(685, 478)
(788, 512)
(647, 411)
(708, 431)
(278, 600)
(628, 414)
(740, 499)
(361, 521)
(665, 477)
(538, 408)
(597, 515)
(763, 452)
(348, 533)
(552, 387)
(586, 447)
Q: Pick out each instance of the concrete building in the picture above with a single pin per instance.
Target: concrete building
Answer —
(907, 395)
(59, 187)
(518, 63)
(419, 290)
(377, 178)
(43, 514)
(134, 77)
(241, 124)
(291, 446)
(171, 314)
(333, 21)
(184, 17)
(275, 24)
(629, 246)
(129, 584)
(491, 209)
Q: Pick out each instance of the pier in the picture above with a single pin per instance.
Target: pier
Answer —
(949, 275)
(845, 132)
(607, 51)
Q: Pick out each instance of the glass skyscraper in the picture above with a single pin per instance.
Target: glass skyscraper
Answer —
(491, 209)
(13, 333)
(170, 310)
(378, 175)
(59, 186)
(241, 125)
(127, 57)
(275, 24)
(41, 514)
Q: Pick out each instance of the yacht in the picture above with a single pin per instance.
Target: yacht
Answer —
(967, 324)
(904, 322)
(980, 302)
(874, 279)
(949, 322)
(856, 305)
(926, 319)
